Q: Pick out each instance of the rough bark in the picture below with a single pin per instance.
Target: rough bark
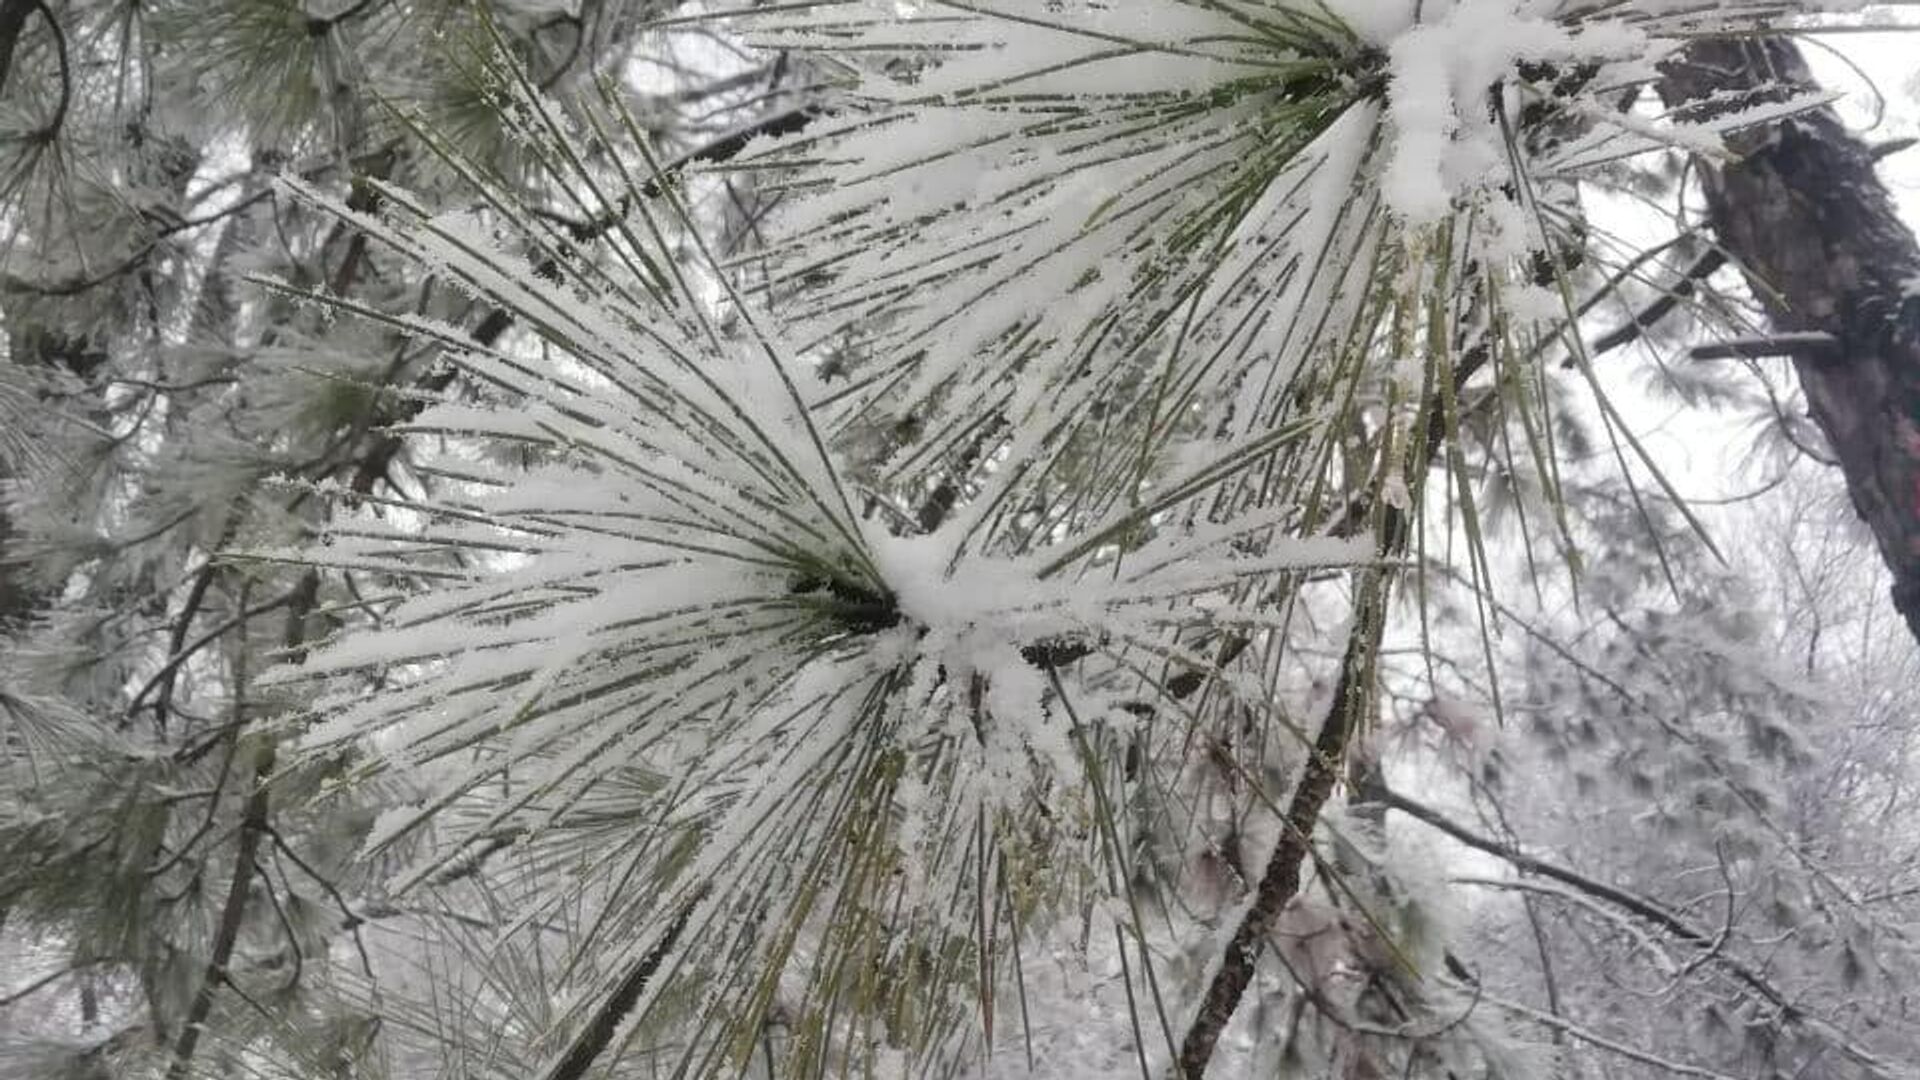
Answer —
(1817, 235)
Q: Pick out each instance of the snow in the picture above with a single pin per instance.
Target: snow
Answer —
(1446, 145)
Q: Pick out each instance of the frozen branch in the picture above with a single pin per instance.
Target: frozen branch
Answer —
(1655, 914)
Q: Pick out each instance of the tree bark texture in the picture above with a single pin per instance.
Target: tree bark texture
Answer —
(1800, 208)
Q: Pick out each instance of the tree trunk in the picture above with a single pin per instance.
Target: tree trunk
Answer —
(1817, 235)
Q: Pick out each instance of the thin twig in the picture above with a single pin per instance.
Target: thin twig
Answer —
(172, 664)
(1281, 881)
(253, 824)
(1352, 699)
(1585, 1035)
(352, 923)
(43, 982)
(10, 283)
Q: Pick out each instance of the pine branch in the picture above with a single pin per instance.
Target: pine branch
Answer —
(1282, 879)
(1280, 882)
(599, 1032)
(253, 825)
(496, 322)
(723, 149)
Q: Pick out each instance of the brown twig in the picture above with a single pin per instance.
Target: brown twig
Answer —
(1281, 881)
(1352, 699)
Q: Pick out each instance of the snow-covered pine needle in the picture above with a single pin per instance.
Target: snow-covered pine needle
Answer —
(660, 612)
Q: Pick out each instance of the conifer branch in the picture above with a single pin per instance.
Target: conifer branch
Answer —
(1353, 697)
(1284, 874)
(253, 825)
(599, 1032)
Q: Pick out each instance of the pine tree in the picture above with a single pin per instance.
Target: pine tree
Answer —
(901, 539)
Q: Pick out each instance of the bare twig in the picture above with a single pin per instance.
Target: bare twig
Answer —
(1591, 1038)
(352, 922)
(1352, 700)
(74, 286)
(43, 982)
(13, 21)
(163, 679)
(254, 824)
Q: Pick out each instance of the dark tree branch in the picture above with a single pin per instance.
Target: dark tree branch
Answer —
(1640, 907)
(1814, 344)
(253, 825)
(1353, 699)
(598, 1034)
(137, 259)
(1662, 306)
(1284, 873)
(44, 981)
